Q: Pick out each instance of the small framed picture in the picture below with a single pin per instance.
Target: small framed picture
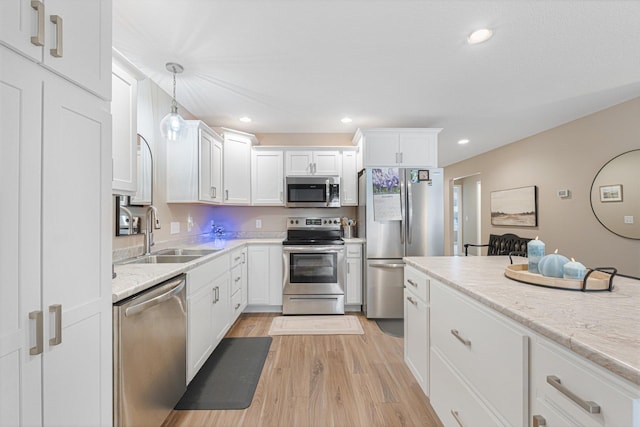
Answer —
(423, 175)
(611, 193)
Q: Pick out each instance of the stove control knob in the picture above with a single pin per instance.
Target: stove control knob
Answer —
(335, 221)
(297, 221)
(324, 221)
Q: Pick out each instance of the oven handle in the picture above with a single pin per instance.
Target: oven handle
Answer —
(311, 248)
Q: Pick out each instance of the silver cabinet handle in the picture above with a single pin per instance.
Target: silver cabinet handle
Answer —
(412, 283)
(538, 420)
(590, 407)
(281, 195)
(236, 306)
(244, 257)
(215, 192)
(456, 334)
(56, 309)
(237, 279)
(236, 259)
(226, 194)
(348, 268)
(412, 301)
(37, 316)
(38, 39)
(57, 51)
(456, 416)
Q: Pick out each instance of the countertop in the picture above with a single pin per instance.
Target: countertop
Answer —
(603, 327)
(133, 278)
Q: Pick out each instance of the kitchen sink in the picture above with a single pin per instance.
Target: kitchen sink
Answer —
(186, 252)
(162, 259)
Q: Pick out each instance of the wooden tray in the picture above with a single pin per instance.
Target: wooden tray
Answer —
(596, 280)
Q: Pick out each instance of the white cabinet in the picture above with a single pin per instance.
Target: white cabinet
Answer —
(416, 325)
(208, 311)
(124, 103)
(237, 167)
(353, 288)
(321, 163)
(239, 282)
(402, 147)
(72, 38)
(194, 166)
(349, 179)
(265, 275)
(267, 177)
(61, 376)
(578, 390)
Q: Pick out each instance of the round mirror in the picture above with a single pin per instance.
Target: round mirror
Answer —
(615, 195)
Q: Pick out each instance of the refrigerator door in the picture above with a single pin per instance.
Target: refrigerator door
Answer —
(384, 239)
(425, 215)
(384, 290)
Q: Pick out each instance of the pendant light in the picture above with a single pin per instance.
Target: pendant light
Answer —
(172, 124)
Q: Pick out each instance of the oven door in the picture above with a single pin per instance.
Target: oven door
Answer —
(313, 270)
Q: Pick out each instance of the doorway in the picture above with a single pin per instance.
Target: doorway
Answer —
(466, 214)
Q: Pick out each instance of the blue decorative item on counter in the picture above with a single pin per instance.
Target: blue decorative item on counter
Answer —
(551, 265)
(535, 251)
(574, 270)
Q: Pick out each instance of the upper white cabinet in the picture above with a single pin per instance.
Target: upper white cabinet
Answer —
(322, 163)
(237, 167)
(68, 37)
(55, 310)
(124, 105)
(349, 179)
(194, 166)
(405, 147)
(267, 177)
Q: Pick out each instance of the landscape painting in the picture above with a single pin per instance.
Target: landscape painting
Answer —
(514, 207)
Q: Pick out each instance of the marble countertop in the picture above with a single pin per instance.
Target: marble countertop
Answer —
(603, 327)
(133, 278)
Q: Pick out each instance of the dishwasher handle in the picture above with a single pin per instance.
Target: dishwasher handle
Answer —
(135, 309)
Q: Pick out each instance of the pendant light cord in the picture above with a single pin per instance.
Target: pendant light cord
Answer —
(174, 103)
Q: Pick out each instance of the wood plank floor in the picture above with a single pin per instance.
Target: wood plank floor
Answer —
(324, 380)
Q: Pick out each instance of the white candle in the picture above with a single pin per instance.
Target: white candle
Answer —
(535, 251)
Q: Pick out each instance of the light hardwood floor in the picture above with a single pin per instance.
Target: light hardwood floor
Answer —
(325, 380)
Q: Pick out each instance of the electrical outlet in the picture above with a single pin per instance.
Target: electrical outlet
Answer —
(175, 227)
(258, 223)
(189, 223)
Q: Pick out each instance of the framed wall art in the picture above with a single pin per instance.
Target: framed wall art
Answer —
(611, 193)
(515, 207)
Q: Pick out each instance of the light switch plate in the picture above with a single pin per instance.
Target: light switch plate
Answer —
(628, 219)
(258, 223)
(175, 227)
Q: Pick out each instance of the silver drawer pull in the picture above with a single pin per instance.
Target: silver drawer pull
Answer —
(590, 407)
(37, 316)
(236, 306)
(457, 418)
(56, 309)
(412, 283)
(456, 334)
(538, 421)
(412, 301)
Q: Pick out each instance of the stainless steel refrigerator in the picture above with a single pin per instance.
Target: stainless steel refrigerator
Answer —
(400, 213)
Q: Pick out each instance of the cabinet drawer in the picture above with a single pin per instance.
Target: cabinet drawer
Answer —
(417, 282)
(452, 400)
(354, 251)
(203, 274)
(490, 352)
(238, 257)
(590, 385)
(236, 304)
(236, 278)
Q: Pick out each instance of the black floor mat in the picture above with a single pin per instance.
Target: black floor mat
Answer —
(393, 327)
(229, 377)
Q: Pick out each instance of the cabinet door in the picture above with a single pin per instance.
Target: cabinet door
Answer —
(84, 42)
(416, 338)
(216, 170)
(258, 271)
(20, 109)
(207, 191)
(380, 149)
(353, 291)
(275, 274)
(349, 179)
(298, 163)
(124, 103)
(221, 312)
(199, 326)
(76, 125)
(19, 23)
(267, 183)
(418, 149)
(237, 171)
(326, 163)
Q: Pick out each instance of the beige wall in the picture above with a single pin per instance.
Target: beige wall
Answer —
(566, 157)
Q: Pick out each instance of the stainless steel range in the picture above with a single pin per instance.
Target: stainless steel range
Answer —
(313, 267)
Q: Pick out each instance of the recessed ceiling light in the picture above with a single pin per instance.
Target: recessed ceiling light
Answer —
(346, 120)
(463, 141)
(479, 36)
(245, 119)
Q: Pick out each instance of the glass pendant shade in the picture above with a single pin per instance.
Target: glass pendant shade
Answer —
(172, 124)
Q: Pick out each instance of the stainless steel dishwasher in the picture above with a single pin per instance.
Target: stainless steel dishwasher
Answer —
(149, 354)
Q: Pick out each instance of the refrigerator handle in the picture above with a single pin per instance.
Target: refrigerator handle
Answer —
(402, 207)
(410, 209)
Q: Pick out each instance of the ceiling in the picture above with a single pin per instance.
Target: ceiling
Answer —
(301, 65)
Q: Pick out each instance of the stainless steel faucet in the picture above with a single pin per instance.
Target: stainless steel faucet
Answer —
(150, 217)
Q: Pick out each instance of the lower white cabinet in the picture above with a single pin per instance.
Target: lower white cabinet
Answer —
(265, 275)
(208, 310)
(416, 326)
(353, 288)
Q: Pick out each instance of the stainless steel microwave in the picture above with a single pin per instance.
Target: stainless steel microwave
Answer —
(313, 191)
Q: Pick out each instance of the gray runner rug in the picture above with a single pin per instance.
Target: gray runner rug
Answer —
(228, 379)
